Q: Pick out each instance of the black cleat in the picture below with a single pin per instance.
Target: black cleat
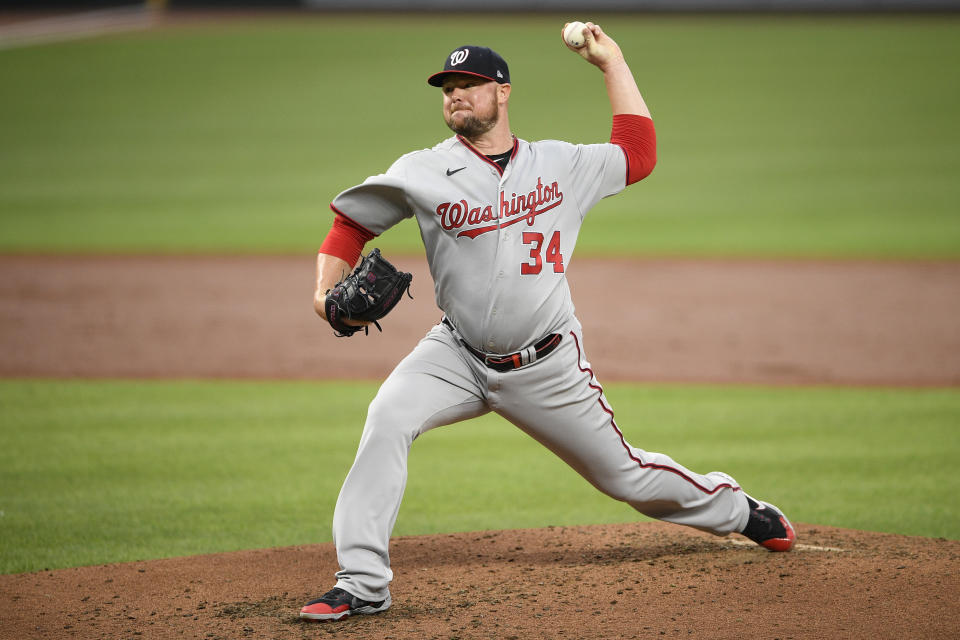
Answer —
(337, 604)
(768, 527)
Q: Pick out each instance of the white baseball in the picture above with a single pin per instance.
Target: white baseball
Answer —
(573, 34)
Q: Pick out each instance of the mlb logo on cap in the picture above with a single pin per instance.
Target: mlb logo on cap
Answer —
(475, 61)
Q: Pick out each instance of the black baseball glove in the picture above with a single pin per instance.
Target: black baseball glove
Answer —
(366, 295)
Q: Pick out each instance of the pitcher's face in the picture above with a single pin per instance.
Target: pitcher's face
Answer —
(470, 104)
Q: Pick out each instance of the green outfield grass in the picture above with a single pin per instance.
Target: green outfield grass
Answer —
(829, 136)
(94, 472)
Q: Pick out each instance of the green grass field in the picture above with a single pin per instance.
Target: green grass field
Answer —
(831, 136)
(92, 472)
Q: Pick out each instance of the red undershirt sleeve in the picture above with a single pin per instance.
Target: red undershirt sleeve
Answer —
(638, 139)
(346, 238)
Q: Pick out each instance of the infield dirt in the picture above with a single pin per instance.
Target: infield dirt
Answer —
(766, 322)
(716, 321)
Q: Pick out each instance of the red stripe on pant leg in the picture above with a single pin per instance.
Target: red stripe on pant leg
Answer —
(623, 440)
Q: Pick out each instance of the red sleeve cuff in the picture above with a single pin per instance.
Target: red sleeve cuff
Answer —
(638, 139)
(346, 239)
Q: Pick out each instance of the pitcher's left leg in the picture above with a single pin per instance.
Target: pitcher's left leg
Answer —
(558, 402)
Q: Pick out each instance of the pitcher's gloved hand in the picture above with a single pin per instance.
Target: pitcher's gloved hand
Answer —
(366, 295)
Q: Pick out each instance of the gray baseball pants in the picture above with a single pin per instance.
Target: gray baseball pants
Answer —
(555, 400)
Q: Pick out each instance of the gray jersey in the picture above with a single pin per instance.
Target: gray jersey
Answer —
(498, 246)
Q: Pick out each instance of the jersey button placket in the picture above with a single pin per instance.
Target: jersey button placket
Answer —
(501, 236)
(503, 253)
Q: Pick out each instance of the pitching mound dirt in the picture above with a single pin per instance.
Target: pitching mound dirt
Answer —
(644, 580)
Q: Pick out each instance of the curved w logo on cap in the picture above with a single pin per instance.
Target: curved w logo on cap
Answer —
(459, 56)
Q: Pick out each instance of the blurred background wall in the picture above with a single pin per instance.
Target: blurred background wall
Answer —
(508, 5)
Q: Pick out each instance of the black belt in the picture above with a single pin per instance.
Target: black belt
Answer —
(515, 360)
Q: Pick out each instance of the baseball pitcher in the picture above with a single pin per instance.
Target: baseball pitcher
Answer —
(499, 217)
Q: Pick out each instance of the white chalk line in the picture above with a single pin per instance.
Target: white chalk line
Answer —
(74, 26)
(796, 547)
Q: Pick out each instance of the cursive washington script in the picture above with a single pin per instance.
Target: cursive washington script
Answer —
(520, 207)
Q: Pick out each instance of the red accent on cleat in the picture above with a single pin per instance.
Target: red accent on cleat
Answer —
(323, 611)
(782, 544)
